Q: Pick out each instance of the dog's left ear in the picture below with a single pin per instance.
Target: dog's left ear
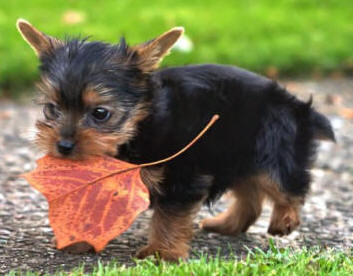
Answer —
(39, 42)
(151, 53)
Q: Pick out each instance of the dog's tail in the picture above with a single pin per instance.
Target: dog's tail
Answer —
(320, 124)
(322, 127)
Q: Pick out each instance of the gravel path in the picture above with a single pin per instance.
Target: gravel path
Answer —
(327, 217)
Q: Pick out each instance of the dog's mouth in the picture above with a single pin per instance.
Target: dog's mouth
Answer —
(86, 142)
(83, 149)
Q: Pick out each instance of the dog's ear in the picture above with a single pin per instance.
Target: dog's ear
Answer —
(39, 42)
(151, 53)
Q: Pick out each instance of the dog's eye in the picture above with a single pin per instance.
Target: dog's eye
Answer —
(101, 114)
(51, 111)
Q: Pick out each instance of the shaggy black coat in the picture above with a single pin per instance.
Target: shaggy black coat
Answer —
(262, 128)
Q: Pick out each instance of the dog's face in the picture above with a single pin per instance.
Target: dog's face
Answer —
(93, 94)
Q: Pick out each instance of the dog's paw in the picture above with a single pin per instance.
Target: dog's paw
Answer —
(77, 248)
(223, 226)
(284, 225)
(212, 225)
(161, 254)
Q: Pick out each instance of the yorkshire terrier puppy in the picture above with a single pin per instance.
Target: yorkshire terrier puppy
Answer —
(105, 99)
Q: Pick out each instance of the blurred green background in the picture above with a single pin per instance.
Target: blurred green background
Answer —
(279, 38)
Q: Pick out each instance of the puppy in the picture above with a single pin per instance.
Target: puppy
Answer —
(105, 99)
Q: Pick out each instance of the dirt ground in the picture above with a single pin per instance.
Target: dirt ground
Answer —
(327, 217)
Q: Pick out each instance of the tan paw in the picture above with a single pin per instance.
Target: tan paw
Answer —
(161, 254)
(77, 248)
(212, 225)
(220, 226)
(283, 226)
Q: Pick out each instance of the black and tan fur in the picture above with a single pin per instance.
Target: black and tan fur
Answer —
(262, 146)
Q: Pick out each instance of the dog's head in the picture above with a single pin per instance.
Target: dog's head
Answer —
(93, 93)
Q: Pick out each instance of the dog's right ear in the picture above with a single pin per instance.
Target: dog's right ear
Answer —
(39, 42)
(152, 52)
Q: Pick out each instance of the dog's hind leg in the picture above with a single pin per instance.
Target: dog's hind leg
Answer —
(242, 213)
(284, 219)
(286, 209)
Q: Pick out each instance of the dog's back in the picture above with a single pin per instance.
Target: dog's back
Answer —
(262, 128)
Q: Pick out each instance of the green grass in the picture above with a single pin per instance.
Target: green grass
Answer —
(294, 36)
(273, 262)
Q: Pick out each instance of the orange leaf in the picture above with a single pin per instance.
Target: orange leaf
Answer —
(87, 202)
(96, 199)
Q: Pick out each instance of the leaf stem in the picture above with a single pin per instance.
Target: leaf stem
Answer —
(190, 144)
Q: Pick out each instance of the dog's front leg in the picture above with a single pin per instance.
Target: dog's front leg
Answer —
(170, 233)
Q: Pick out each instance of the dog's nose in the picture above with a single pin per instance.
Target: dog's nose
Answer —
(65, 147)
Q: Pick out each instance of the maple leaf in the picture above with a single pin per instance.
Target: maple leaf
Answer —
(87, 203)
(93, 200)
